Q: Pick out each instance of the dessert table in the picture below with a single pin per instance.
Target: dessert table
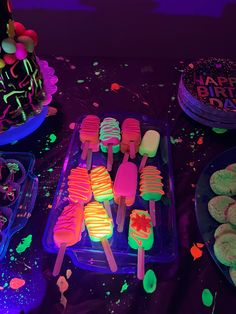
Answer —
(98, 85)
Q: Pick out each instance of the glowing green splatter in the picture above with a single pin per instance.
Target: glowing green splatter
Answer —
(118, 301)
(124, 287)
(50, 170)
(52, 138)
(108, 293)
(207, 297)
(12, 258)
(219, 131)
(150, 281)
(47, 194)
(80, 81)
(24, 244)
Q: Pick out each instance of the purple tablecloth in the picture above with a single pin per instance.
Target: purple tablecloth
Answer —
(148, 87)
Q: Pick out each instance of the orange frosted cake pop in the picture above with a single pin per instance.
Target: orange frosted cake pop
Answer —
(89, 136)
(79, 186)
(67, 231)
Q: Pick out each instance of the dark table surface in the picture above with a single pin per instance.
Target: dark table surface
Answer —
(148, 87)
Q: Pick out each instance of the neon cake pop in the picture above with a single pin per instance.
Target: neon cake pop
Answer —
(110, 139)
(131, 137)
(151, 188)
(79, 186)
(67, 231)
(100, 229)
(102, 187)
(148, 146)
(89, 136)
(140, 236)
(125, 190)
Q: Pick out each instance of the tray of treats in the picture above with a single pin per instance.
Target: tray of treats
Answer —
(18, 191)
(215, 208)
(114, 204)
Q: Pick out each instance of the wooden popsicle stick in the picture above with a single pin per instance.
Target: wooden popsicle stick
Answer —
(120, 227)
(132, 150)
(152, 211)
(126, 157)
(109, 255)
(108, 209)
(140, 267)
(59, 260)
(85, 150)
(89, 159)
(119, 210)
(109, 158)
(143, 162)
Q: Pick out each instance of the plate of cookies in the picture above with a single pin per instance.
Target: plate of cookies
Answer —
(215, 206)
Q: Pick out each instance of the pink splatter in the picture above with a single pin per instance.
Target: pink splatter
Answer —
(16, 283)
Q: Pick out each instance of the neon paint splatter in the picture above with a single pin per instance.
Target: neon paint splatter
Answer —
(115, 86)
(52, 138)
(124, 287)
(196, 251)
(200, 141)
(175, 140)
(24, 244)
(219, 131)
(95, 104)
(80, 81)
(63, 287)
(207, 297)
(68, 272)
(16, 283)
(50, 170)
(150, 281)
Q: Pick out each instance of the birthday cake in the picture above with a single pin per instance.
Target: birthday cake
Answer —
(21, 82)
(207, 92)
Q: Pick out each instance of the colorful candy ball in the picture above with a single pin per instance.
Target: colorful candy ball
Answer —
(9, 58)
(19, 28)
(32, 34)
(2, 63)
(21, 52)
(9, 45)
(27, 42)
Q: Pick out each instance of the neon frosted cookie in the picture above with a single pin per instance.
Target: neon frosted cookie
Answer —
(231, 167)
(225, 249)
(218, 207)
(232, 214)
(224, 228)
(232, 273)
(223, 182)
